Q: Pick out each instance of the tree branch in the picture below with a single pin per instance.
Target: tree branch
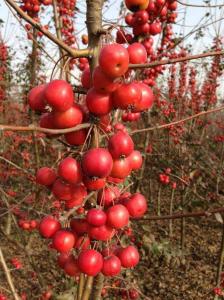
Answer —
(199, 5)
(202, 113)
(33, 128)
(175, 60)
(72, 52)
(184, 215)
(8, 276)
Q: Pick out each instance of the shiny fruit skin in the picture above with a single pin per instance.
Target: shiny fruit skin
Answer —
(136, 205)
(135, 159)
(70, 170)
(90, 262)
(69, 118)
(96, 217)
(99, 104)
(63, 241)
(127, 96)
(49, 226)
(121, 168)
(76, 138)
(59, 95)
(101, 233)
(120, 145)
(147, 98)
(114, 60)
(46, 176)
(117, 216)
(97, 162)
(102, 83)
(137, 53)
(35, 98)
(111, 266)
(129, 257)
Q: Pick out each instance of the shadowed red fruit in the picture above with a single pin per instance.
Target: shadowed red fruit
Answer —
(49, 226)
(69, 118)
(147, 98)
(136, 205)
(127, 95)
(36, 99)
(98, 103)
(135, 160)
(102, 83)
(97, 162)
(133, 294)
(63, 240)
(128, 256)
(117, 216)
(82, 243)
(71, 266)
(76, 138)
(79, 226)
(59, 95)
(86, 78)
(120, 144)
(61, 190)
(94, 184)
(96, 217)
(46, 121)
(111, 266)
(121, 168)
(90, 262)
(46, 176)
(70, 170)
(108, 196)
(114, 60)
(62, 259)
(101, 233)
(135, 5)
(137, 53)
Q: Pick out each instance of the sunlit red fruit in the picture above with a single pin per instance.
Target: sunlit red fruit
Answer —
(135, 160)
(121, 168)
(120, 145)
(117, 216)
(49, 226)
(111, 266)
(69, 118)
(63, 240)
(137, 53)
(59, 95)
(128, 256)
(76, 138)
(101, 233)
(96, 217)
(90, 262)
(114, 60)
(70, 170)
(98, 103)
(97, 162)
(102, 83)
(136, 205)
(135, 5)
(36, 99)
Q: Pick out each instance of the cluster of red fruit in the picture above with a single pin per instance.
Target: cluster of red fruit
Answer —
(106, 92)
(32, 7)
(100, 169)
(149, 19)
(3, 69)
(66, 10)
(28, 224)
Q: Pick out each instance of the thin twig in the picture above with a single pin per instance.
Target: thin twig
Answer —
(8, 276)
